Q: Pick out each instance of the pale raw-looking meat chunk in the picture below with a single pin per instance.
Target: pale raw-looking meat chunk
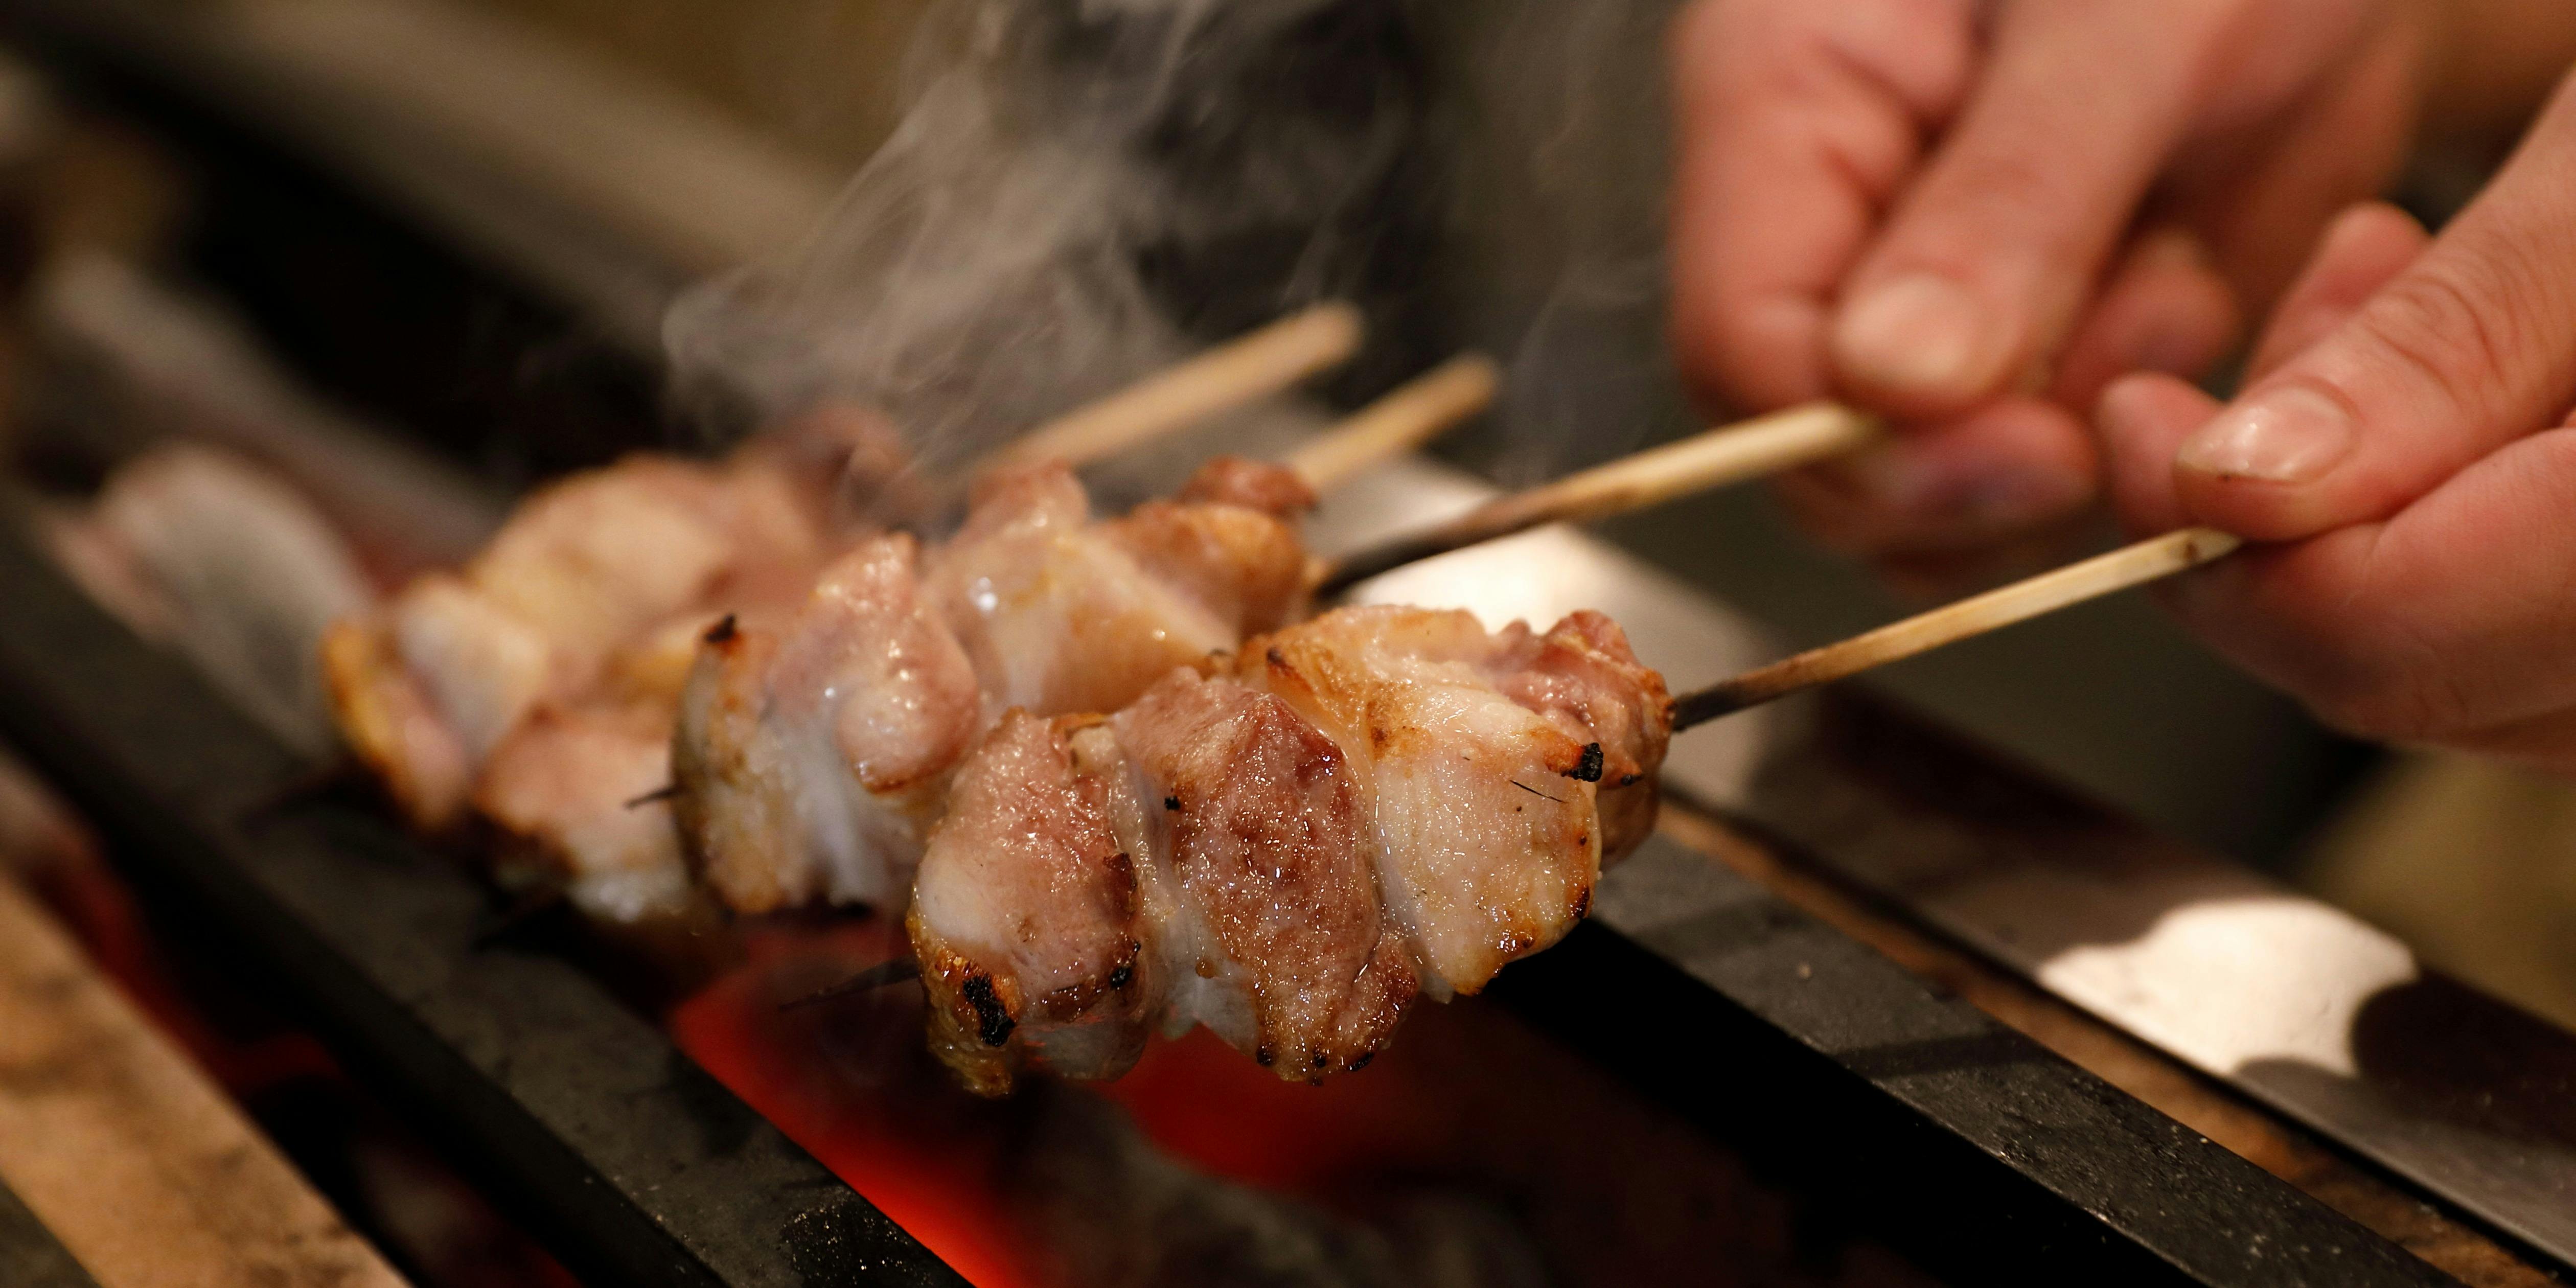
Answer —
(1057, 614)
(809, 759)
(1023, 917)
(1481, 811)
(1261, 834)
(582, 787)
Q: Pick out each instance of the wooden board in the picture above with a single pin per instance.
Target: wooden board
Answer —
(139, 1166)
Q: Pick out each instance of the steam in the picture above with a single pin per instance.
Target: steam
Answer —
(1081, 192)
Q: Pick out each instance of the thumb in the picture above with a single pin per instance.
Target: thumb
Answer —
(2471, 347)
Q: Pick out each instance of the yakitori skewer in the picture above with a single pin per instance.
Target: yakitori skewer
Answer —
(2093, 578)
(1232, 374)
(1404, 419)
(1717, 457)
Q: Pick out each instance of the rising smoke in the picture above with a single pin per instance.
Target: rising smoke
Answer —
(1080, 192)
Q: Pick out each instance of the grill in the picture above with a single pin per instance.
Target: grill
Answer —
(1732, 1002)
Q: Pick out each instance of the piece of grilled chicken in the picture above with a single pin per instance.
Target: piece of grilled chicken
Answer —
(814, 747)
(1287, 845)
(536, 686)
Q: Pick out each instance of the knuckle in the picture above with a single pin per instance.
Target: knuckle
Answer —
(2462, 330)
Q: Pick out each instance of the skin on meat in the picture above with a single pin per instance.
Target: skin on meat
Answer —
(1585, 679)
(808, 758)
(1275, 490)
(1188, 975)
(1033, 606)
(1024, 917)
(1242, 567)
(1057, 616)
(1261, 834)
(1486, 832)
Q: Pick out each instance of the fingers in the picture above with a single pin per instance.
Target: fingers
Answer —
(2471, 346)
(2020, 466)
(2165, 309)
(2262, 197)
(1992, 250)
(2014, 466)
(2445, 622)
(2144, 420)
(2362, 250)
(1795, 124)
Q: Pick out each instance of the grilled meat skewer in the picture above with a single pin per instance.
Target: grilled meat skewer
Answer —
(812, 750)
(1377, 804)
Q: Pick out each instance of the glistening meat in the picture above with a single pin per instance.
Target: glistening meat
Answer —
(1374, 804)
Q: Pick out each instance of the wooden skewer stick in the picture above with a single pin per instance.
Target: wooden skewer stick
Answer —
(1414, 414)
(2102, 575)
(1232, 374)
(1727, 454)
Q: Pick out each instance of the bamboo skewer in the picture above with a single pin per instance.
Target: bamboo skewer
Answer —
(2102, 575)
(1240, 371)
(1727, 454)
(1414, 414)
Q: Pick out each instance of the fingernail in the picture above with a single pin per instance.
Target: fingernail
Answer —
(1917, 334)
(2285, 436)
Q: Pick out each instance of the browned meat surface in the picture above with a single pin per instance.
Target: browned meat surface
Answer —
(1585, 679)
(1263, 837)
(1487, 837)
(391, 726)
(1275, 490)
(1242, 567)
(1379, 802)
(860, 708)
(1024, 917)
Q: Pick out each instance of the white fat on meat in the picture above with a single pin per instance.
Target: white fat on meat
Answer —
(810, 755)
(1062, 614)
(580, 592)
(582, 786)
(1486, 834)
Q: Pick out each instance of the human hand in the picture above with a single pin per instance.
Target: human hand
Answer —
(2403, 446)
(1972, 216)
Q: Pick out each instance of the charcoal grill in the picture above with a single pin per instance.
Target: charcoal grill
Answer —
(1968, 1147)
